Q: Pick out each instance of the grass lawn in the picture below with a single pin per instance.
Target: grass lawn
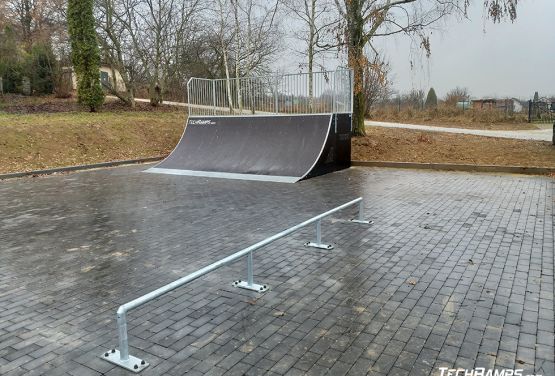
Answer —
(46, 140)
(403, 145)
(45, 132)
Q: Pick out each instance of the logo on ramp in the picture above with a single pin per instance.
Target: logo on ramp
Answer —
(202, 122)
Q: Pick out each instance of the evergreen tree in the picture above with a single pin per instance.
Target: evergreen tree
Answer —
(85, 54)
(431, 99)
(11, 69)
(40, 67)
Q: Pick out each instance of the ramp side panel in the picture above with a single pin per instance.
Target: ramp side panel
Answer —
(337, 151)
(286, 146)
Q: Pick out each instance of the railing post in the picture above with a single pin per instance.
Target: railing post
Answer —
(249, 283)
(317, 243)
(121, 356)
(360, 218)
(214, 97)
(189, 95)
(250, 277)
(333, 100)
(276, 99)
(121, 319)
(351, 88)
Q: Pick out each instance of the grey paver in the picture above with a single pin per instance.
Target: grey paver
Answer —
(457, 271)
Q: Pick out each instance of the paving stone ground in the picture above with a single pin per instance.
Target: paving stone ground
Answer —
(457, 271)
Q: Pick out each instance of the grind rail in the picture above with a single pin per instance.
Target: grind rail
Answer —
(121, 356)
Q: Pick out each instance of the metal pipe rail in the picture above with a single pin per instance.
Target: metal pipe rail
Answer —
(122, 358)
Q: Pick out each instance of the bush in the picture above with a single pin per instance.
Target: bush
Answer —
(456, 95)
(11, 62)
(431, 99)
(446, 113)
(40, 69)
(16, 63)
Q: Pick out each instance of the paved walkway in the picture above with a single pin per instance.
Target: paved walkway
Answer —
(142, 100)
(457, 271)
(538, 135)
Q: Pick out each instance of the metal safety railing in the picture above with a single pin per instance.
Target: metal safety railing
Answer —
(121, 356)
(302, 93)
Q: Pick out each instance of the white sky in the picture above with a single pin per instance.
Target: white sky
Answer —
(499, 60)
(490, 60)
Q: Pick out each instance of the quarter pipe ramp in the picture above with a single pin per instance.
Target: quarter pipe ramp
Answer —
(279, 148)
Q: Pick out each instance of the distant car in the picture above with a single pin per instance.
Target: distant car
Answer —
(552, 107)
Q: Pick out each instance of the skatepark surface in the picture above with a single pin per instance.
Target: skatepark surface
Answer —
(457, 271)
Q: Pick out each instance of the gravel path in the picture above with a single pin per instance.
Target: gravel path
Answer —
(538, 135)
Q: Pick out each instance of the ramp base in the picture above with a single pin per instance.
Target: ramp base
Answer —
(224, 175)
(133, 364)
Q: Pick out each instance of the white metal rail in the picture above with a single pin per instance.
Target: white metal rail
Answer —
(122, 358)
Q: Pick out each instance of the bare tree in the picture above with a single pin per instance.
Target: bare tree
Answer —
(365, 20)
(256, 38)
(23, 11)
(112, 36)
(316, 17)
(377, 83)
(145, 38)
(414, 98)
(362, 21)
(224, 44)
(455, 95)
(36, 20)
(498, 10)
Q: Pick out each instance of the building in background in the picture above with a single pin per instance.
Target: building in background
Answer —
(107, 75)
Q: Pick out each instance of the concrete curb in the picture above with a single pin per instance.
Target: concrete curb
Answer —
(79, 167)
(458, 167)
(409, 165)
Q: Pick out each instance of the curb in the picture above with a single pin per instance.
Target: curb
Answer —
(79, 167)
(458, 167)
(409, 165)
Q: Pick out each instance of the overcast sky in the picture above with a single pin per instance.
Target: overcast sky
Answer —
(499, 60)
(490, 60)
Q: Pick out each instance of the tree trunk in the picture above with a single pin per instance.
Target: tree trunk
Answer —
(311, 38)
(155, 95)
(357, 61)
(237, 55)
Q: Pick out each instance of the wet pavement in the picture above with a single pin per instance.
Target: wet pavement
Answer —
(457, 271)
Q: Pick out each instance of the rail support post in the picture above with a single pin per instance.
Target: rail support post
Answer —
(317, 243)
(249, 283)
(121, 357)
(360, 218)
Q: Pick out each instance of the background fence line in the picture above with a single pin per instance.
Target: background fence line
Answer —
(302, 93)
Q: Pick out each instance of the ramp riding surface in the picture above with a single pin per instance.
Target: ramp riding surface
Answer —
(282, 148)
